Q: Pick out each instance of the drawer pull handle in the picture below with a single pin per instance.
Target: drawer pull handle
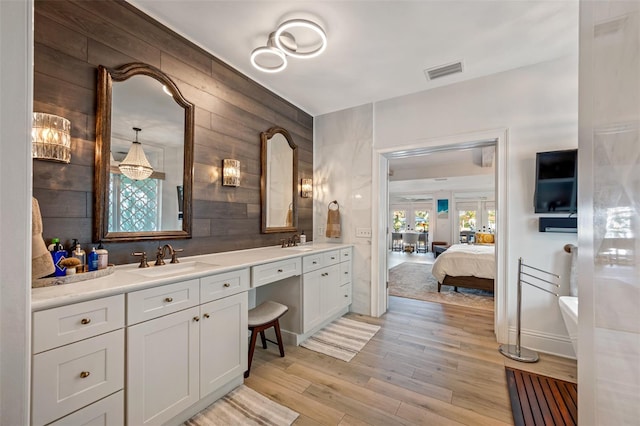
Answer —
(346, 295)
(206, 315)
(280, 270)
(226, 285)
(333, 258)
(168, 299)
(85, 321)
(315, 263)
(84, 374)
(196, 318)
(346, 273)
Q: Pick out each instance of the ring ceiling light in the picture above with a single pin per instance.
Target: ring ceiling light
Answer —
(305, 25)
(282, 43)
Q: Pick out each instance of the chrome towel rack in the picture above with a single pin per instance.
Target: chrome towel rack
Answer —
(527, 272)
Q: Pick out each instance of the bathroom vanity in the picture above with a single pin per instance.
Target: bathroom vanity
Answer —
(156, 345)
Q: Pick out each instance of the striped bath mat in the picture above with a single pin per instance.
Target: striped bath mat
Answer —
(341, 339)
(243, 406)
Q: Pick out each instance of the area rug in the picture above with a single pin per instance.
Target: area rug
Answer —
(244, 406)
(415, 281)
(341, 339)
(541, 400)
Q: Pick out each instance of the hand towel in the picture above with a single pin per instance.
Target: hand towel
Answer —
(333, 220)
(41, 260)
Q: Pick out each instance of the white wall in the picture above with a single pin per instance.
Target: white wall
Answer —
(609, 177)
(16, 73)
(342, 172)
(539, 106)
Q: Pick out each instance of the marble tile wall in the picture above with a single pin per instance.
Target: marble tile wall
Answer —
(342, 172)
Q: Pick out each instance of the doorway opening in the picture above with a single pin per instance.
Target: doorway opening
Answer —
(453, 205)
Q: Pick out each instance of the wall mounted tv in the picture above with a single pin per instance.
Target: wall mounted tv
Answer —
(556, 182)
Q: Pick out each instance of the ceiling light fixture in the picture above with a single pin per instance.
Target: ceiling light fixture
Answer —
(304, 24)
(135, 165)
(262, 56)
(272, 58)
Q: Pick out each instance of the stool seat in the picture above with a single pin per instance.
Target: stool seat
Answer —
(266, 313)
(262, 317)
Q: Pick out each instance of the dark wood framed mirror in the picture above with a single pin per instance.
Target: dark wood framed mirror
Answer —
(139, 104)
(278, 181)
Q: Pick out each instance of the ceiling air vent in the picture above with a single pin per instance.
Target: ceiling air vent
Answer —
(443, 71)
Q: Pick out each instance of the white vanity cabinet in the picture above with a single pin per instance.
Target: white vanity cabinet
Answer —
(326, 287)
(223, 341)
(78, 362)
(174, 359)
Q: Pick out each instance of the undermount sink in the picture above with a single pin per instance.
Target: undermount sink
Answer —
(300, 248)
(173, 269)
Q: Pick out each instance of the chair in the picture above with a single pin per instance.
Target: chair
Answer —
(261, 318)
(410, 242)
(422, 242)
(396, 241)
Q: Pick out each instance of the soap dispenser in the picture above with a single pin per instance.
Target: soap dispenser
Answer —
(303, 238)
(79, 254)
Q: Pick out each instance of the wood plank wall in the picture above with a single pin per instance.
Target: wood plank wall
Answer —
(71, 39)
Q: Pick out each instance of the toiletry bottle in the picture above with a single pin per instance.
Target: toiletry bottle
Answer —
(303, 238)
(103, 257)
(92, 260)
(59, 254)
(79, 254)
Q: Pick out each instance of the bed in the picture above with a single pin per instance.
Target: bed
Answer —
(466, 265)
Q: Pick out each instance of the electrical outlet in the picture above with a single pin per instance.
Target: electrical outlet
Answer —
(363, 232)
(321, 231)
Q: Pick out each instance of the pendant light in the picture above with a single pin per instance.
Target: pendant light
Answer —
(135, 165)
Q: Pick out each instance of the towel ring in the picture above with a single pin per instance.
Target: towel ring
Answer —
(334, 202)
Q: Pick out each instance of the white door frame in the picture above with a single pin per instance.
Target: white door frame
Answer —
(380, 216)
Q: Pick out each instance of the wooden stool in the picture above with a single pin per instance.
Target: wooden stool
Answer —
(262, 317)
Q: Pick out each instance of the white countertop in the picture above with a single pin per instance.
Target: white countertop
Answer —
(127, 278)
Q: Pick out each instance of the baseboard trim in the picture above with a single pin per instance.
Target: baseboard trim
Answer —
(553, 344)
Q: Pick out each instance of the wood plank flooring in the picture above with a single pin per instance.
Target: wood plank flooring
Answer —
(429, 364)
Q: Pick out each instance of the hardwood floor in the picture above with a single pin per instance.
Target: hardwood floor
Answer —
(429, 364)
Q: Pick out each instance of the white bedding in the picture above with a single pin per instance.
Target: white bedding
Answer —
(465, 260)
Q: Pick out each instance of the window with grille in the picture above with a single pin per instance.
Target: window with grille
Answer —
(134, 205)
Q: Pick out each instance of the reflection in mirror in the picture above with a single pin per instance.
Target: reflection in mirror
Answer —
(278, 181)
(129, 206)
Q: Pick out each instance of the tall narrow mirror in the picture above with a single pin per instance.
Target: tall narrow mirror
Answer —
(278, 181)
(144, 156)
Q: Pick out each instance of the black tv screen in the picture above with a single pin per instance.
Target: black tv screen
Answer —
(556, 182)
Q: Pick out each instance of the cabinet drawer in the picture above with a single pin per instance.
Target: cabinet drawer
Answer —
(346, 254)
(274, 271)
(345, 273)
(345, 294)
(108, 412)
(223, 285)
(67, 324)
(331, 257)
(312, 262)
(157, 301)
(73, 376)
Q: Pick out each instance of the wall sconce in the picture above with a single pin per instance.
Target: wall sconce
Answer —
(230, 172)
(306, 188)
(51, 137)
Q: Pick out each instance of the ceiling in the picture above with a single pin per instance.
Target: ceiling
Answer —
(376, 49)
(379, 50)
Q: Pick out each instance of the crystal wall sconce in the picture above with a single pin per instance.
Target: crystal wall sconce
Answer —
(230, 172)
(51, 137)
(306, 188)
